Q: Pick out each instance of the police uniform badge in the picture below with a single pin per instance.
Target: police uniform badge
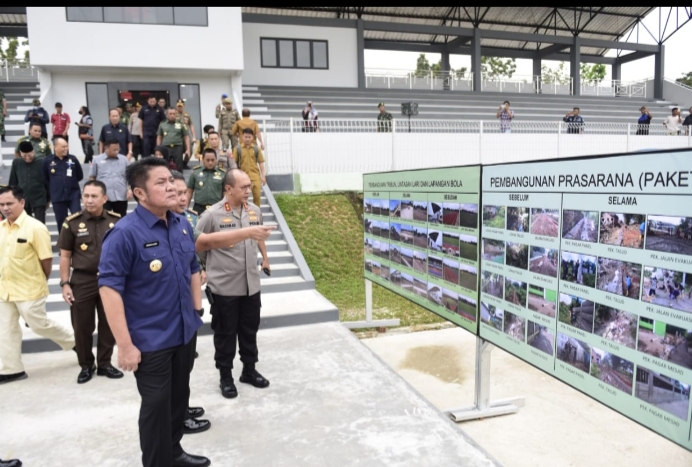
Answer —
(155, 265)
(82, 225)
(84, 247)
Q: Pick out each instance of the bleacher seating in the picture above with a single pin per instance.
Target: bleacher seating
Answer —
(279, 102)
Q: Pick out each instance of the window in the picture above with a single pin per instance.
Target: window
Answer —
(294, 53)
(181, 16)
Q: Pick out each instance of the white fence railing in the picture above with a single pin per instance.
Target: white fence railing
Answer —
(17, 70)
(356, 146)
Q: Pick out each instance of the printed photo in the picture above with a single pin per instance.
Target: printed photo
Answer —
(579, 269)
(367, 226)
(515, 326)
(376, 268)
(616, 325)
(384, 272)
(540, 337)
(395, 254)
(435, 240)
(375, 228)
(670, 234)
(576, 312)
(407, 282)
(492, 284)
(420, 288)
(384, 229)
(450, 214)
(612, 370)
(435, 294)
(395, 276)
(434, 212)
(580, 225)
(518, 219)
(420, 261)
(435, 266)
(467, 307)
(368, 245)
(368, 265)
(515, 292)
(407, 257)
(517, 255)
(665, 341)
(451, 270)
(367, 206)
(543, 261)
(376, 247)
(394, 208)
(468, 247)
(666, 393)
(407, 234)
(619, 277)
(377, 206)
(545, 222)
(667, 288)
(384, 209)
(494, 250)
(468, 277)
(494, 216)
(573, 352)
(395, 232)
(450, 243)
(542, 300)
(420, 237)
(420, 211)
(406, 209)
(491, 315)
(468, 216)
(622, 229)
(450, 300)
(383, 252)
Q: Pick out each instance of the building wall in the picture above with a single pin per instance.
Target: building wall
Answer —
(70, 90)
(57, 42)
(343, 69)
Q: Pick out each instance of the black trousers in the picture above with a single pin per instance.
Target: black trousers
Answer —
(175, 155)
(116, 206)
(39, 212)
(193, 350)
(87, 304)
(231, 318)
(88, 148)
(136, 146)
(60, 209)
(200, 208)
(148, 145)
(163, 381)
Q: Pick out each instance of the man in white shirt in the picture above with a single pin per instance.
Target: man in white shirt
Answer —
(673, 122)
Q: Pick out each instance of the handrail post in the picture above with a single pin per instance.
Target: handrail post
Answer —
(293, 168)
(629, 125)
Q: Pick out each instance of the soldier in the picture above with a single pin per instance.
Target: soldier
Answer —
(80, 249)
(173, 135)
(384, 120)
(3, 114)
(222, 156)
(234, 283)
(185, 118)
(227, 118)
(41, 145)
(207, 180)
(204, 142)
(27, 173)
(249, 158)
(125, 114)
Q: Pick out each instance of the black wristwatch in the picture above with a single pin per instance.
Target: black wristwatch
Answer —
(63, 283)
(200, 312)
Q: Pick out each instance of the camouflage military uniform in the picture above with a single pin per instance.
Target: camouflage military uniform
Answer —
(384, 122)
(227, 119)
(2, 115)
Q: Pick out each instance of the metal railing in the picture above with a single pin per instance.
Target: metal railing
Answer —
(18, 70)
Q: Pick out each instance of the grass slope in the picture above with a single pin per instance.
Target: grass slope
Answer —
(330, 236)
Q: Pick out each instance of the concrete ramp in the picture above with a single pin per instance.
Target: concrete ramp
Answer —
(331, 402)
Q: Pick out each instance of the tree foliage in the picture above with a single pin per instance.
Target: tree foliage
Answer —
(593, 73)
(686, 79)
(9, 48)
(423, 68)
(558, 75)
(494, 67)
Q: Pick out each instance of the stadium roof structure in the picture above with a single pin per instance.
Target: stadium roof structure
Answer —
(13, 21)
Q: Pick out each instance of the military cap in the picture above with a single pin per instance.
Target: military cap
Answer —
(381, 104)
(26, 146)
(36, 102)
(180, 102)
(228, 100)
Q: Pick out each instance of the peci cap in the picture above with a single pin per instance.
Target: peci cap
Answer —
(26, 146)
(228, 100)
(36, 102)
(180, 103)
(381, 104)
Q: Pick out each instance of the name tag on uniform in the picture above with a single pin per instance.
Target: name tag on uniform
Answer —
(82, 234)
(69, 172)
(254, 223)
(151, 244)
(21, 240)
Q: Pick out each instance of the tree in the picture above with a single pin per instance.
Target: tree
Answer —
(686, 79)
(494, 67)
(592, 74)
(9, 48)
(423, 68)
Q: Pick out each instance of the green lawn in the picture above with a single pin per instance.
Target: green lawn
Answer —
(469, 251)
(330, 236)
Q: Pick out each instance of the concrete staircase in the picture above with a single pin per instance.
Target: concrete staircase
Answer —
(282, 102)
(19, 96)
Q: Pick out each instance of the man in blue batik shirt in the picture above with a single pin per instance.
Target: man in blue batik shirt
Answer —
(150, 286)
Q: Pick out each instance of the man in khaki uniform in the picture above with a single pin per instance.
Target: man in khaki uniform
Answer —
(224, 159)
(247, 122)
(234, 283)
(25, 265)
(41, 145)
(249, 158)
(227, 117)
(206, 182)
(174, 135)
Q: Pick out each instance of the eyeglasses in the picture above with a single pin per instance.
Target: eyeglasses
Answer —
(246, 187)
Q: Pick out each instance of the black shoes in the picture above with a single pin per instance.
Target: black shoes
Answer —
(252, 376)
(228, 389)
(189, 460)
(10, 463)
(13, 377)
(86, 374)
(110, 372)
(192, 426)
(195, 412)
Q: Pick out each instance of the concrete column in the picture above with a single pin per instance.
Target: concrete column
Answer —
(616, 70)
(360, 50)
(574, 62)
(445, 61)
(476, 59)
(659, 66)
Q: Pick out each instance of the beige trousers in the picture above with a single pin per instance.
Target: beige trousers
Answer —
(34, 313)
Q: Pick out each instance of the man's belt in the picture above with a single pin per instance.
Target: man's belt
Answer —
(174, 145)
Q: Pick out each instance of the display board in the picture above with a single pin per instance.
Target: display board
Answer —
(421, 238)
(587, 274)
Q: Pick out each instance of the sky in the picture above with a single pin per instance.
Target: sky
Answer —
(677, 61)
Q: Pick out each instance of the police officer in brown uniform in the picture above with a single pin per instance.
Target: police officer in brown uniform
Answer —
(80, 248)
(234, 282)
